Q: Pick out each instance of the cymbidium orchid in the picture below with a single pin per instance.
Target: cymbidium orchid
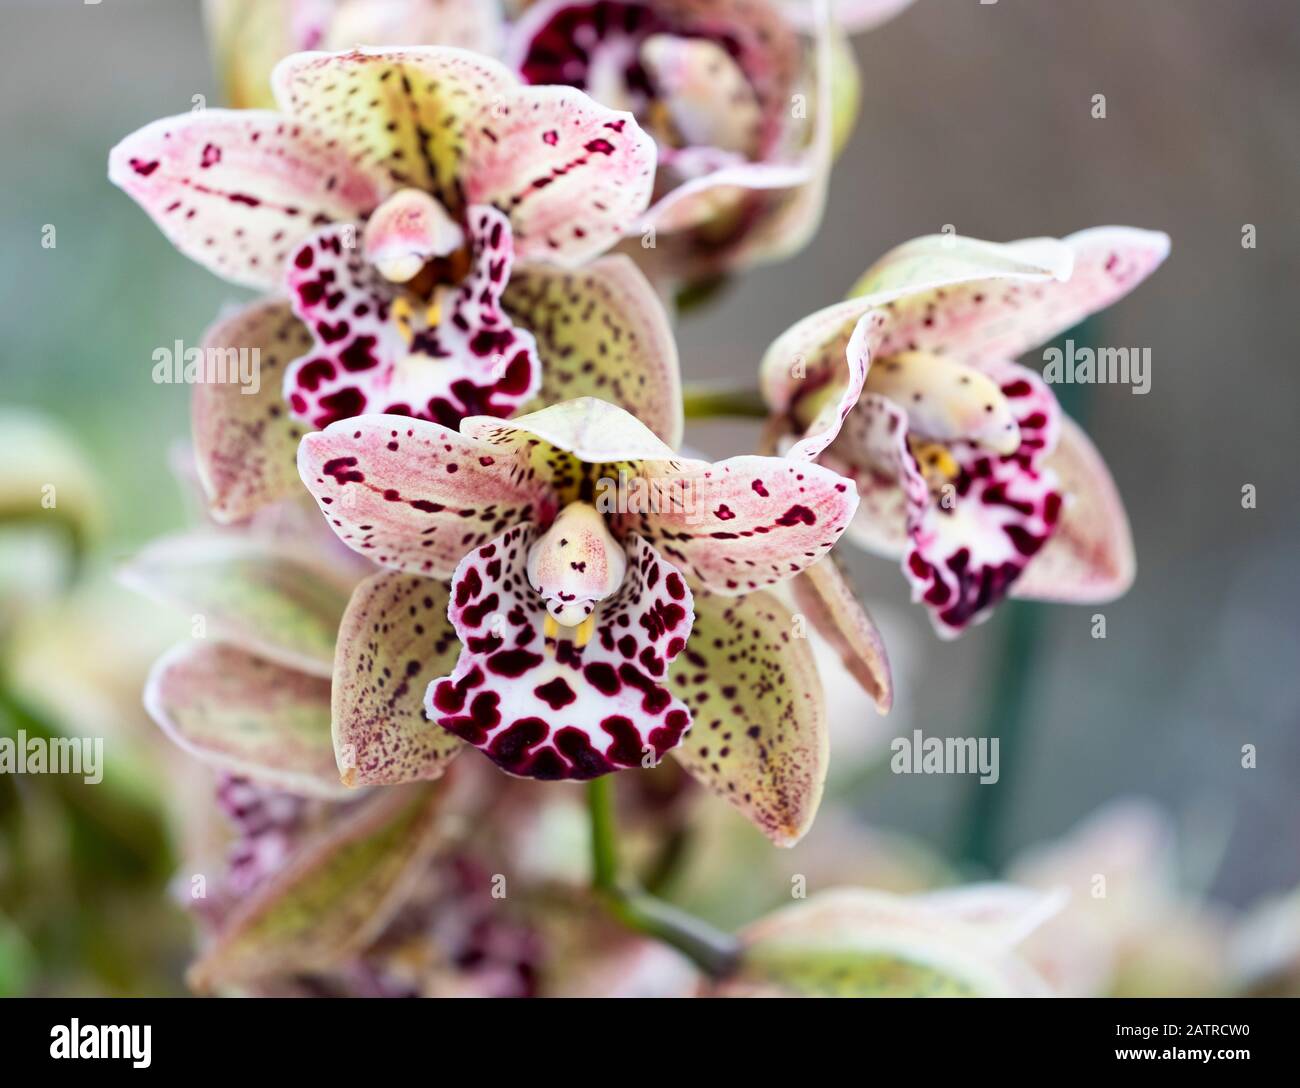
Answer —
(967, 468)
(745, 123)
(607, 595)
(431, 222)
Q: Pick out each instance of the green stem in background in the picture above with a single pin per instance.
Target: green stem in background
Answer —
(983, 819)
(707, 401)
(983, 822)
(713, 951)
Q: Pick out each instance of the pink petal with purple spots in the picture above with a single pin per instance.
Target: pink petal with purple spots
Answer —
(931, 269)
(238, 191)
(572, 175)
(746, 522)
(416, 496)
(1090, 557)
(548, 708)
(990, 319)
(471, 361)
(971, 543)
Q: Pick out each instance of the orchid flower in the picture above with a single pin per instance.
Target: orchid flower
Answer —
(249, 36)
(967, 468)
(606, 594)
(722, 84)
(426, 216)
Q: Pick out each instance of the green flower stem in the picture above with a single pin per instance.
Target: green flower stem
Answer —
(708, 401)
(713, 951)
(984, 821)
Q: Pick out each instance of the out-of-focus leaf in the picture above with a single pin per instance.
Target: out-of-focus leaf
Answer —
(333, 897)
(853, 943)
(247, 716)
(273, 600)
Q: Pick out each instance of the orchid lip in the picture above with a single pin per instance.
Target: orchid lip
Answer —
(407, 231)
(576, 564)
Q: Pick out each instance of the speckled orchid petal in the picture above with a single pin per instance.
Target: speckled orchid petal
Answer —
(823, 593)
(1090, 556)
(246, 443)
(759, 738)
(332, 897)
(278, 601)
(933, 267)
(1000, 317)
(855, 16)
(404, 111)
(601, 331)
(237, 190)
(416, 496)
(840, 393)
(550, 708)
(572, 174)
(421, 362)
(746, 522)
(590, 429)
(850, 942)
(971, 542)
(247, 716)
(395, 639)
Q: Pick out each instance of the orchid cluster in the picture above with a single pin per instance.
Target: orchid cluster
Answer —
(458, 512)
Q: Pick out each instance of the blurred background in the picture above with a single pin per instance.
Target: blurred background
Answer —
(975, 115)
